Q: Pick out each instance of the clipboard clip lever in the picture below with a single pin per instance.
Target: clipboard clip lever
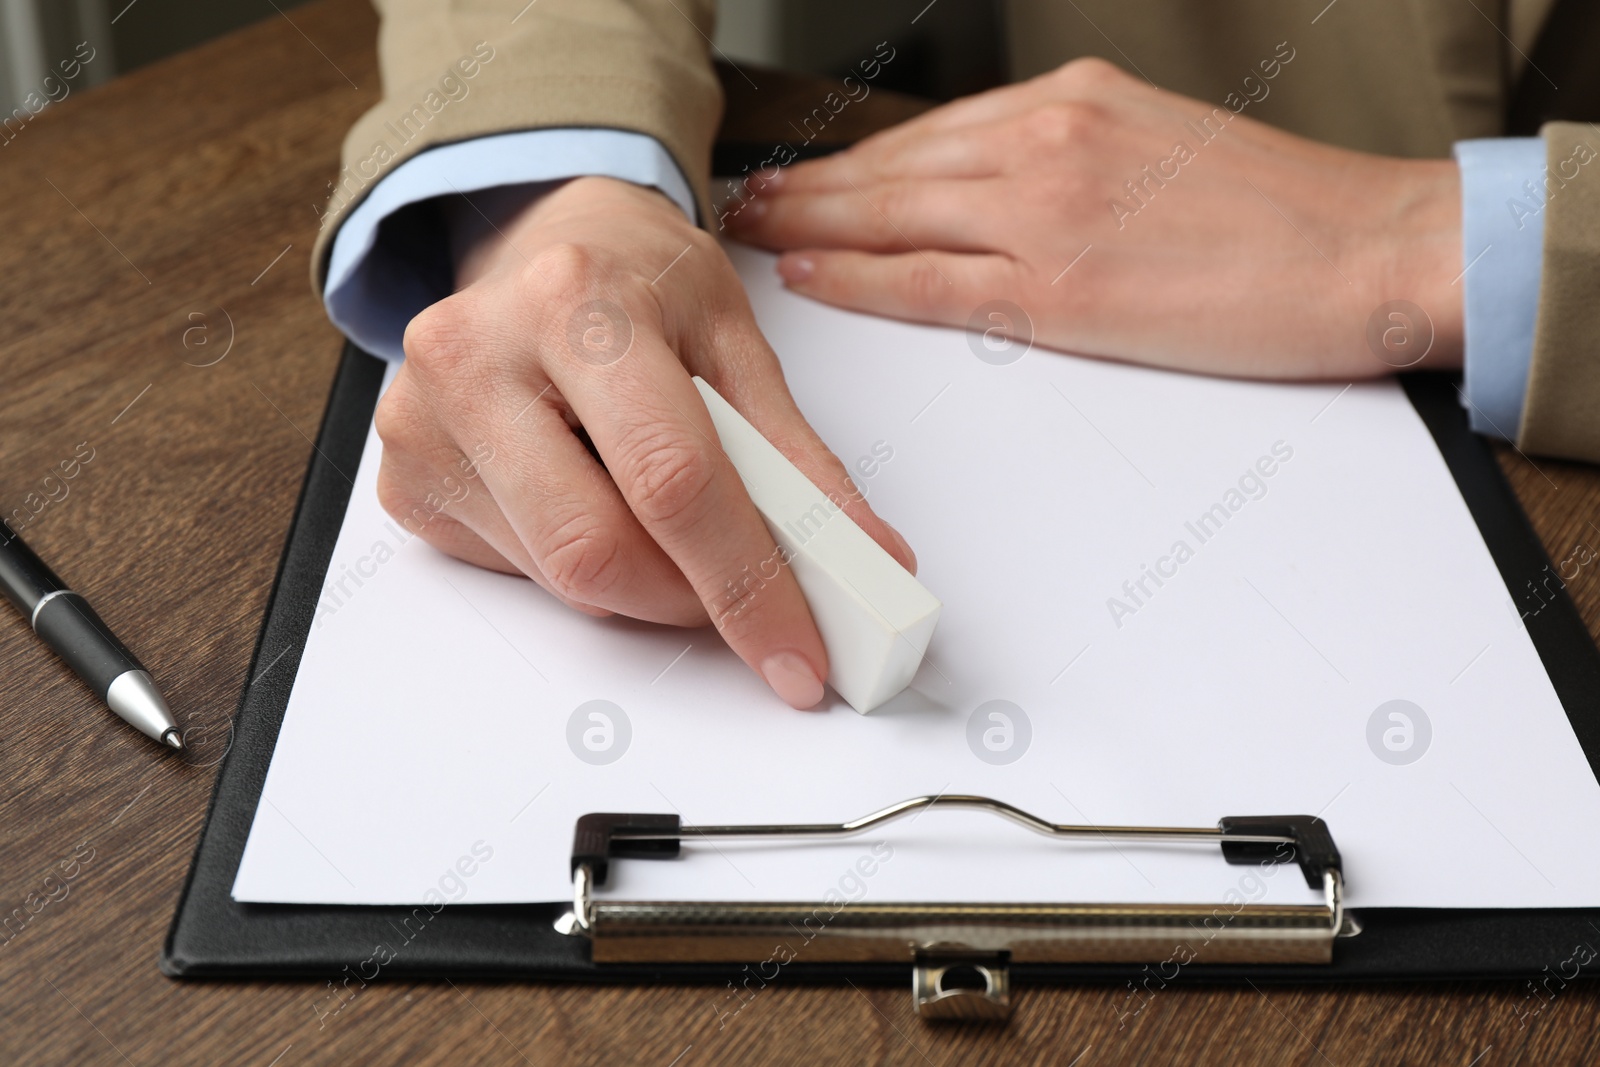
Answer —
(960, 953)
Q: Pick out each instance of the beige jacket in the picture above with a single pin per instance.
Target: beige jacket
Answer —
(1398, 77)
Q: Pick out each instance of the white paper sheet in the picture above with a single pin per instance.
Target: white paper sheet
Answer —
(426, 742)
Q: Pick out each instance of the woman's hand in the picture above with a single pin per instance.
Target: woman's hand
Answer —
(1130, 223)
(577, 323)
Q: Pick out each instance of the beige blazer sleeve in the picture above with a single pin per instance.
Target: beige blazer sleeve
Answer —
(457, 69)
(1561, 414)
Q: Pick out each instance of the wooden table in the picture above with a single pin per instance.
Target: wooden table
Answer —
(194, 185)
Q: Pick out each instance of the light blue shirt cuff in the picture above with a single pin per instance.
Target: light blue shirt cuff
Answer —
(1502, 237)
(372, 292)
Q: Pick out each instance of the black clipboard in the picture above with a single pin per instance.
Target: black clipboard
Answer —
(212, 936)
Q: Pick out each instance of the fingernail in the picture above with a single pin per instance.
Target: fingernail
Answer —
(793, 679)
(796, 268)
(905, 549)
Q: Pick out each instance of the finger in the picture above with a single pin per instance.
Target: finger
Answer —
(914, 140)
(564, 514)
(652, 429)
(991, 105)
(429, 501)
(968, 152)
(937, 287)
(763, 397)
(969, 137)
(898, 216)
(455, 538)
(543, 503)
(1087, 78)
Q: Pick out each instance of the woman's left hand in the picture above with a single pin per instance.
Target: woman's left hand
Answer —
(1129, 223)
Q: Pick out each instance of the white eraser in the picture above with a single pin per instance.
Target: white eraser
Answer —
(875, 618)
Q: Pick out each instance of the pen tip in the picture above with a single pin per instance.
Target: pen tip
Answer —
(171, 737)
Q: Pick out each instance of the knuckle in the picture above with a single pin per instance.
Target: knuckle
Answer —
(693, 260)
(670, 476)
(563, 270)
(398, 418)
(439, 337)
(1089, 72)
(580, 560)
(725, 325)
(702, 241)
(895, 201)
(1062, 123)
(815, 459)
(925, 290)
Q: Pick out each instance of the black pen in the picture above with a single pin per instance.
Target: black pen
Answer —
(69, 625)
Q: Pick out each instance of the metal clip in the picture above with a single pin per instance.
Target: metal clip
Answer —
(962, 988)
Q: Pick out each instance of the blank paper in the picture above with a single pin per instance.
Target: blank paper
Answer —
(1168, 599)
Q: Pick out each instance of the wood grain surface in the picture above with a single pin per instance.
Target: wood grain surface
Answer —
(191, 187)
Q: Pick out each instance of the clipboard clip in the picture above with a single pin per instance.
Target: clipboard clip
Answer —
(960, 953)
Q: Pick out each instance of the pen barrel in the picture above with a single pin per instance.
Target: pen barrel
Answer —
(69, 625)
(24, 577)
